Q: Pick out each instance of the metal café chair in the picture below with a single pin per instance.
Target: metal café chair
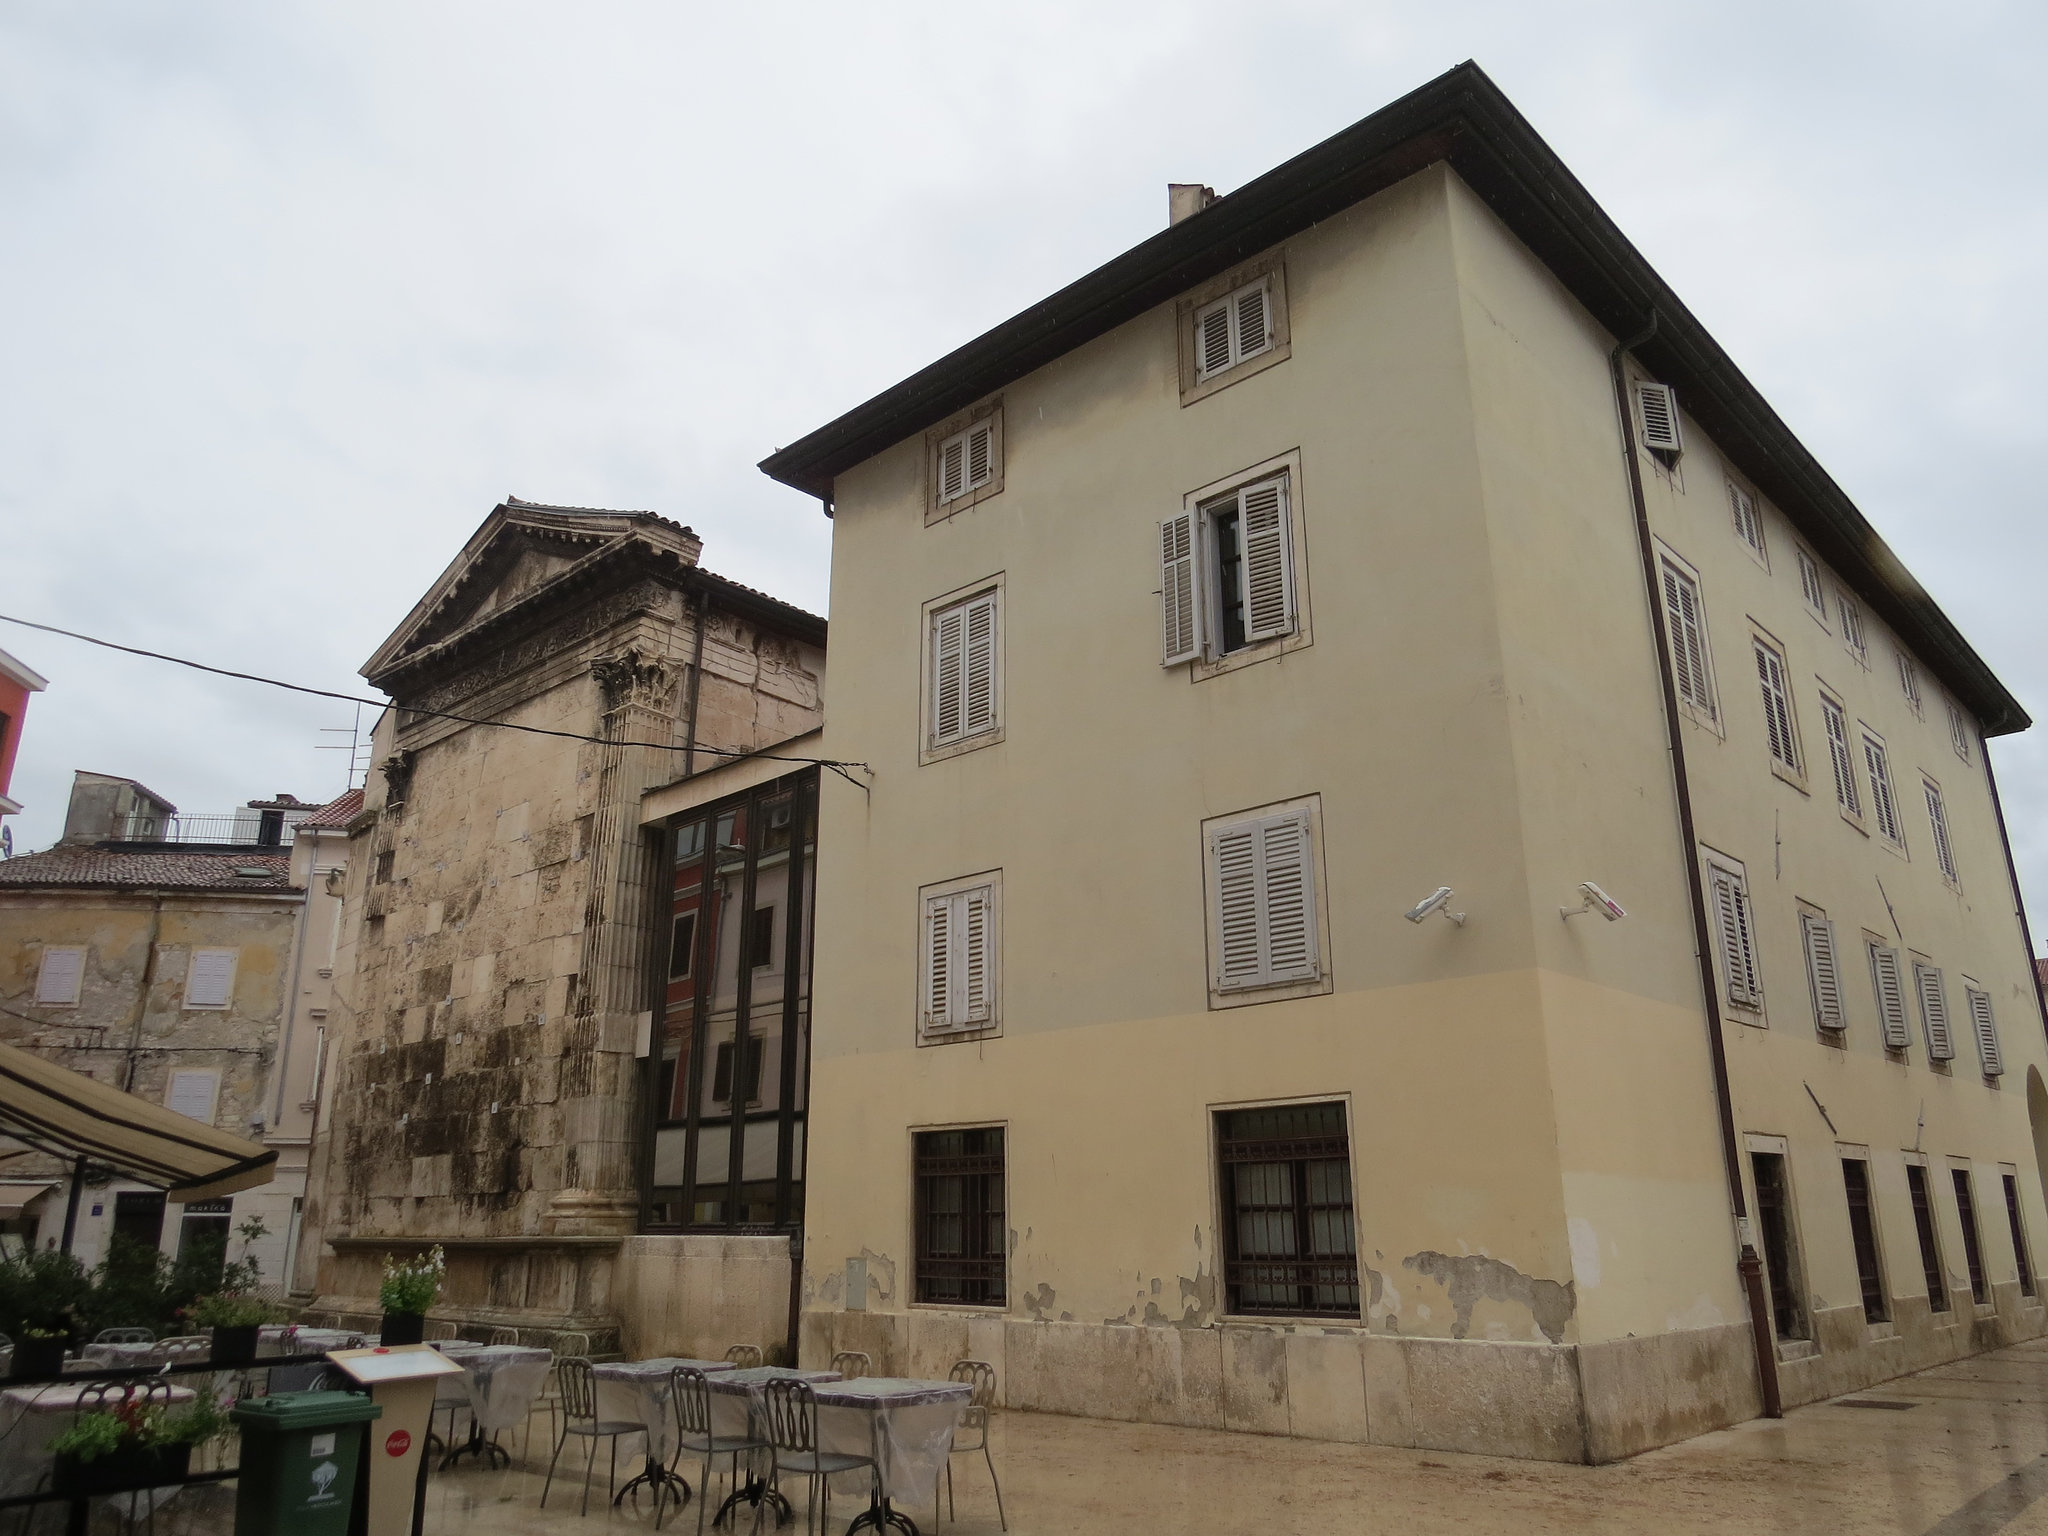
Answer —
(192, 1346)
(441, 1332)
(980, 1377)
(502, 1336)
(125, 1336)
(564, 1346)
(852, 1364)
(790, 1410)
(579, 1417)
(690, 1399)
(744, 1357)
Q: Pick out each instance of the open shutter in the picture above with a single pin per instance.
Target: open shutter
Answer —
(1212, 338)
(938, 964)
(1288, 898)
(1738, 950)
(1941, 1045)
(1987, 1033)
(1770, 669)
(1234, 854)
(978, 688)
(949, 641)
(1180, 591)
(952, 468)
(1268, 583)
(1888, 978)
(210, 978)
(1937, 821)
(976, 923)
(1822, 971)
(980, 454)
(1254, 322)
(1688, 640)
(1658, 407)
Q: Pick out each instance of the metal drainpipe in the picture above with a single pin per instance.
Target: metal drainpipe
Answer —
(1748, 1265)
(156, 928)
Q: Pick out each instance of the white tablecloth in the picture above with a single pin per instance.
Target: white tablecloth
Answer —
(906, 1425)
(30, 1418)
(498, 1384)
(636, 1391)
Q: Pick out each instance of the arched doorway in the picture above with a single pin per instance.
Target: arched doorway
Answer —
(2037, 1119)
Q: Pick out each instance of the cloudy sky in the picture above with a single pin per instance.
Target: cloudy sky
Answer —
(294, 293)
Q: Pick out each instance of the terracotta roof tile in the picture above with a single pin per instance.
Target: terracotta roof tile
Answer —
(133, 869)
(338, 812)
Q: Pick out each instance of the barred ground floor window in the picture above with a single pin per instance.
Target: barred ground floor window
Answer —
(1290, 1240)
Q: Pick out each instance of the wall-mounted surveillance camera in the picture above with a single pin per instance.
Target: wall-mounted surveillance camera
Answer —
(1437, 902)
(1593, 899)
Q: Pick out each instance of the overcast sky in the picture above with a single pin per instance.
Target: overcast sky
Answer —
(294, 293)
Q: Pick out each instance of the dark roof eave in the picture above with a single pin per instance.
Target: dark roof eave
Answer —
(1461, 117)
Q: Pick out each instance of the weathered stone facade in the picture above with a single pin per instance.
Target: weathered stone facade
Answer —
(493, 972)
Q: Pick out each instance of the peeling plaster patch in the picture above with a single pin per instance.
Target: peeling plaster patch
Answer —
(1198, 1237)
(1040, 1302)
(1155, 1285)
(1013, 1242)
(828, 1287)
(1470, 1279)
(1198, 1300)
(1065, 1317)
(1585, 1253)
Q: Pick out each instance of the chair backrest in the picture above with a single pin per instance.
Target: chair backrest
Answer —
(200, 1344)
(744, 1357)
(579, 1390)
(980, 1376)
(125, 1336)
(504, 1336)
(852, 1364)
(570, 1345)
(441, 1331)
(790, 1410)
(154, 1391)
(691, 1396)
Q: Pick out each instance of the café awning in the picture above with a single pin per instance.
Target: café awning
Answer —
(16, 1196)
(71, 1115)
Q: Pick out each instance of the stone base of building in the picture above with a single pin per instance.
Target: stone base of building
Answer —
(1596, 1402)
(694, 1297)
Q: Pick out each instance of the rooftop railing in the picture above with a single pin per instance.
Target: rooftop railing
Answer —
(246, 827)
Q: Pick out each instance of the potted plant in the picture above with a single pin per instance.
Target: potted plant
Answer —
(40, 1351)
(41, 1295)
(131, 1444)
(236, 1319)
(410, 1287)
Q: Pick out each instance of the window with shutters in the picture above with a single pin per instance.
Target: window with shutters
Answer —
(1735, 927)
(1290, 1240)
(1933, 995)
(1888, 990)
(1884, 807)
(60, 975)
(1685, 627)
(193, 1094)
(1909, 680)
(1232, 328)
(1959, 730)
(1823, 971)
(1231, 585)
(963, 671)
(963, 461)
(1985, 1027)
(1749, 521)
(1937, 825)
(1265, 920)
(1852, 628)
(1781, 729)
(1811, 588)
(960, 959)
(210, 978)
(1841, 758)
(1657, 419)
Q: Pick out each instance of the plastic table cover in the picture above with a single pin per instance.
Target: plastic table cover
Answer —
(906, 1425)
(636, 1391)
(499, 1382)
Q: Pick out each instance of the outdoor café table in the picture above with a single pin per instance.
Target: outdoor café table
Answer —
(638, 1389)
(736, 1412)
(906, 1426)
(113, 1356)
(30, 1418)
(499, 1383)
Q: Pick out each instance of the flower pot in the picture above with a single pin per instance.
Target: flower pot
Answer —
(237, 1345)
(39, 1357)
(404, 1328)
(130, 1465)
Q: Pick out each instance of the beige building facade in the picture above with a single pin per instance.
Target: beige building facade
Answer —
(1384, 527)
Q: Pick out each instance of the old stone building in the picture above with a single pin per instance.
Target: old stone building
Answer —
(486, 1078)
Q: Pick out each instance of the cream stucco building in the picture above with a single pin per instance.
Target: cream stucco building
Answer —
(1385, 526)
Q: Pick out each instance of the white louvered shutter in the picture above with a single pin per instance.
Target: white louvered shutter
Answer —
(1839, 756)
(1659, 409)
(1212, 339)
(980, 454)
(210, 978)
(192, 1094)
(1882, 805)
(1987, 1033)
(1234, 853)
(1941, 1045)
(1822, 971)
(1770, 670)
(1888, 980)
(1254, 321)
(1852, 626)
(952, 468)
(974, 1004)
(1289, 898)
(1688, 641)
(1180, 591)
(1268, 581)
(59, 976)
(938, 964)
(978, 689)
(949, 646)
(1809, 584)
(1738, 942)
(1748, 525)
(1937, 821)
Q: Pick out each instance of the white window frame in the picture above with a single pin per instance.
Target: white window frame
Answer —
(1781, 718)
(1888, 986)
(949, 908)
(1692, 655)
(1877, 778)
(1222, 320)
(1854, 640)
(1823, 971)
(1984, 1025)
(940, 502)
(1813, 589)
(956, 466)
(1186, 546)
(1909, 682)
(1834, 719)
(205, 1003)
(64, 985)
(1224, 294)
(193, 1080)
(1306, 970)
(1937, 824)
(1936, 1028)
(1735, 936)
(1748, 512)
(1959, 730)
(935, 745)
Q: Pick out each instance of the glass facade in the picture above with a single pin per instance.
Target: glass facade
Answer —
(730, 1073)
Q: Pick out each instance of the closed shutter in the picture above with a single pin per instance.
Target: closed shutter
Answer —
(1770, 669)
(210, 978)
(1738, 940)
(1268, 583)
(1987, 1033)
(1688, 640)
(59, 977)
(1254, 322)
(949, 644)
(1941, 1045)
(1809, 584)
(1659, 409)
(1180, 591)
(1237, 326)
(1937, 821)
(975, 1004)
(1887, 979)
(192, 1094)
(1839, 757)
(1822, 971)
(966, 460)
(980, 454)
(978, 707)
(958, 988)
(938, 964)
(952, 468)
(1748, 526)
(1212, 339)
(965, 686)
(1882, 806)
(1265, 902)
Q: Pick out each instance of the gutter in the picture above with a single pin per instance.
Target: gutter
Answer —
(1748, 1266)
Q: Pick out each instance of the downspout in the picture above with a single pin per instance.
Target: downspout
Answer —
(156, 928)
(696, 673)
(1747, 1265)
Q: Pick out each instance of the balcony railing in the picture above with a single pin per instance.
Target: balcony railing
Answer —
(245, 828)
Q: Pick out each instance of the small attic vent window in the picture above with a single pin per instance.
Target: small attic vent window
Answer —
(252, 871)
(1658, 406)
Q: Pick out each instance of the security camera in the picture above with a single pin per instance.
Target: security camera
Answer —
(1439, 901)
(1593, 899)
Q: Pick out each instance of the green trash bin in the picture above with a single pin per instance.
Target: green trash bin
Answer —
(299, 1452)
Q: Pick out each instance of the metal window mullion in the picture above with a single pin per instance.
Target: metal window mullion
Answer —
(708, 918)
(796, 941)
(743, 995)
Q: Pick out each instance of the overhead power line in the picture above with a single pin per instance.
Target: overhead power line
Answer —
(834, 764)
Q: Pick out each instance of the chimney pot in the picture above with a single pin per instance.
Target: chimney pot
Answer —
(1184, 199)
